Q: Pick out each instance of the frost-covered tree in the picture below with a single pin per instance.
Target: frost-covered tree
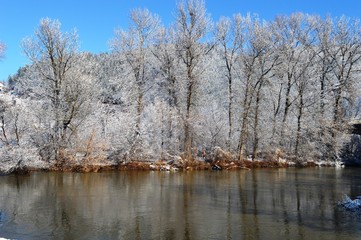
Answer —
(230, 35)
(345, 54)
(264, 53)
(3, 112)
(14, 119)
(62, 92)
(192, 24)
(167, 61)
(292, 36)
(132, 47)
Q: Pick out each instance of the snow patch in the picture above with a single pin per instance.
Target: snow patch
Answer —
(349, 204)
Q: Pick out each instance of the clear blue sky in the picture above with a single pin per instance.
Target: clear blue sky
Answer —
(96, 20)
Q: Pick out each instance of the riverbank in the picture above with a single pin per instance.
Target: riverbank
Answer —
(171, 166)
(21, 161)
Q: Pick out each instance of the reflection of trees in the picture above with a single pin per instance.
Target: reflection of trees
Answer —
(299, 213)
(262, 204)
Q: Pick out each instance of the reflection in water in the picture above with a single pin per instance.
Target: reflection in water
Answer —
(257, 204)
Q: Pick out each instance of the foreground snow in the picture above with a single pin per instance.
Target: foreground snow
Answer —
(349, 204)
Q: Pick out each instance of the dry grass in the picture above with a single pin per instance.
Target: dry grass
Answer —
(264, 164)
(134, 165)
(87, 156)
(90, 157)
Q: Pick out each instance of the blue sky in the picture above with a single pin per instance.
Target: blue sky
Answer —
(96, 20)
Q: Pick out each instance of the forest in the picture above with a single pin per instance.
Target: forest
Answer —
(241, 87)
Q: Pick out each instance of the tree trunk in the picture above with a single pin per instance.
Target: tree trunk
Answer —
(299, 119)
(230, 113)
(244, 128)
(187, 130)
(256, 121)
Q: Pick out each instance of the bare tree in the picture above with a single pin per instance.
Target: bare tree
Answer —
(57, 85)
(12, 121)
(192, 26)
(132, 45)
(304, 84)
(323, 59)
(257, 61)
(345, 53)
(230, 36)
(264, 51)
(165, 53)
(291, 36)
(3, 112)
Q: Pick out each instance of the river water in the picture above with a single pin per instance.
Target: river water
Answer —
(256, 204)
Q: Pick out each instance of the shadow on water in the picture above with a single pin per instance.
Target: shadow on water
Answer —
(257, 204)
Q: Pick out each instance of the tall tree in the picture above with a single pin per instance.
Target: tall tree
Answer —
(291, 36)
(264, 51)
(57, 85)
(230, 36)
(192, 26)
(165, 54)
(345, 53)
(247, 62)
(132, 45)
(323, 59)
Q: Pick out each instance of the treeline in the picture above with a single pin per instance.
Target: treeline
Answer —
(254, 88)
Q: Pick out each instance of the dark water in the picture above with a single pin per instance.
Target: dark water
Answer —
(257, 204)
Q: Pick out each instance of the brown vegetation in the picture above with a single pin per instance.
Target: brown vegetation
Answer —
(218, 159)
(88, 156)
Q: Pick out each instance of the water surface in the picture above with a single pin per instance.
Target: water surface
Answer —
(257, 204)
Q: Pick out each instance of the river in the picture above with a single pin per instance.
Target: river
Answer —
(255, 204)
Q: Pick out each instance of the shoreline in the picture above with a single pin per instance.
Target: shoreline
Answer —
(181, 166)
